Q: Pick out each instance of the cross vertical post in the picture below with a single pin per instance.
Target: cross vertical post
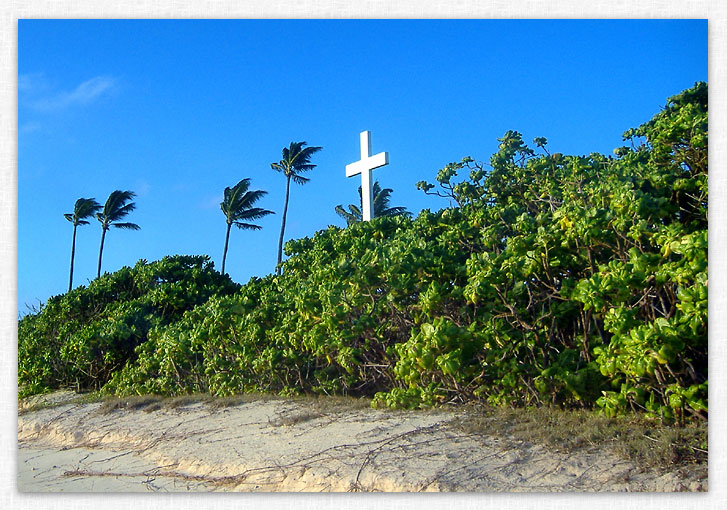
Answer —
(367, 205)
(364, 167)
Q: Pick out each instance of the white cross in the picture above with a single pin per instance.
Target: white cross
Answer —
(364, 167)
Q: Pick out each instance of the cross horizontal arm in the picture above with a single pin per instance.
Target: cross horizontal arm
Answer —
(375, 161)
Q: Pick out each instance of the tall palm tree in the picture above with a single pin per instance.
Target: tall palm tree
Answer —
(296, 159)
(84, 208)
(117, 206)
(238, 209)
(381, 206)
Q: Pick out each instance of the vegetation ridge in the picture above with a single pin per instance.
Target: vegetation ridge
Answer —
(577, 281)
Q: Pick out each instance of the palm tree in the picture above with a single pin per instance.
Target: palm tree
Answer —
(381, 206)
(238, 208)
(117, 207)
(84, 208)
(296, 159)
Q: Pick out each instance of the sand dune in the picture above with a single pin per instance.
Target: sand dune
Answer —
(291, 445)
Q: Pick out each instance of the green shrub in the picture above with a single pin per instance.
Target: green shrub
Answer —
(83, 337)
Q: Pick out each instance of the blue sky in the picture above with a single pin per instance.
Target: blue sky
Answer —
(178, 110)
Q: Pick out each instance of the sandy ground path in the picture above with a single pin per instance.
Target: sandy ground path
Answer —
(54, 470)
(288, 445)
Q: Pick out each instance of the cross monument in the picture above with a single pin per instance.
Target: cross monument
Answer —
(364, 167)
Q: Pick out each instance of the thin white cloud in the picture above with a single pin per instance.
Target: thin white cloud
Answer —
(84, 94)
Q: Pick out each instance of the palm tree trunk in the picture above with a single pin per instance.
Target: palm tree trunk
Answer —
(73, 255)
(224, 252)
(100, 252)
(282, 227)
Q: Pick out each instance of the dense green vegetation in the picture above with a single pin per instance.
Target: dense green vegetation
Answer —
(572, 280)
(83, 337)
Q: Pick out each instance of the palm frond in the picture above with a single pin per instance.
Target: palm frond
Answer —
(116, 200)
(126, 226)
(395, 211)
(247, 226)
(351, 216)
(304, 168)
(117, 206)
(341, 211)
(226, 197)
(304, 153)
(238, 202)
(238, 190)
(381, 205)
(83, 208)
(302, 159)
(86, 207)
(250, 197)
(243, 185)
(121, 212)
(228, 204)
(230, 201)
(298, 179)
(296, 159)
(383, 195)
(253, 213)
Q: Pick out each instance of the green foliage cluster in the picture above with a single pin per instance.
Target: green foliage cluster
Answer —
(83, 337)
(568, 280)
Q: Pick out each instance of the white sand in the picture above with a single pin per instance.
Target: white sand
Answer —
(284, 445)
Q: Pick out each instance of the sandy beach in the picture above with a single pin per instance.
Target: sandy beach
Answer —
(271, 445)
